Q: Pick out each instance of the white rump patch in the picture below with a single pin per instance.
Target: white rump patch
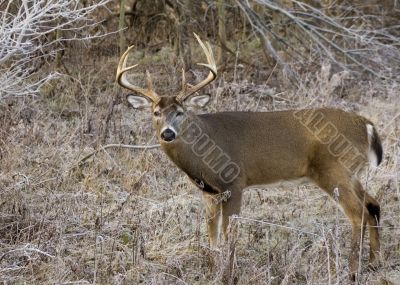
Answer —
(372, 157)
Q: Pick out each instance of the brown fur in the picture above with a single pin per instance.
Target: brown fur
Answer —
(228, 152)
(273, 146)
(224, 153)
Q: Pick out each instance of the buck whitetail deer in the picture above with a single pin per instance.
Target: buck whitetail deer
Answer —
(230, 151)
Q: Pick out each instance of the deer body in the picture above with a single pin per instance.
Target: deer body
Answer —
(228, 152)
(267, 146)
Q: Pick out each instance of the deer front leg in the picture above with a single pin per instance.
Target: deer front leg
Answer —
(230, 207)
(213, 211)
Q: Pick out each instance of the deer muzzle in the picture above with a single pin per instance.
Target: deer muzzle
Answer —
(168, 135)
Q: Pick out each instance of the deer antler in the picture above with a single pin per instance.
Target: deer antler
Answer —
(123, 81)
(188, 89)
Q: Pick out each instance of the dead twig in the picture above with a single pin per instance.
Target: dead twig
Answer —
(102, 148)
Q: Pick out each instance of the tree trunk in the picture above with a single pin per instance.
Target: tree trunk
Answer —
(221, 32)
(121, 25)
(183, 50)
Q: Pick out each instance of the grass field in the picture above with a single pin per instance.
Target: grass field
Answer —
(131, 217)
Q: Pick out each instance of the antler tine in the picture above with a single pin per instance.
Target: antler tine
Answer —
(187, 89)
(124, 82)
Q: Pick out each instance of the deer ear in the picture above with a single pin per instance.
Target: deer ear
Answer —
(138, 102)
(198, 100)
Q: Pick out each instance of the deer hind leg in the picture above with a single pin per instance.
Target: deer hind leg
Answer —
(213, 212)
(373, 217)
(355, 202)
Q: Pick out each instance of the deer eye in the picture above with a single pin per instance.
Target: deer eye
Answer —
(179, 113)
(157, 113)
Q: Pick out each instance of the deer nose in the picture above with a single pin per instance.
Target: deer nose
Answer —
(168, 135)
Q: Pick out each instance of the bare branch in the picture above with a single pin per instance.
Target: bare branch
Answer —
(26, 40)
(102, 148)
(352, 48)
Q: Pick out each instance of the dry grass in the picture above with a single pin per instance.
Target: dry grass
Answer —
(130, 216)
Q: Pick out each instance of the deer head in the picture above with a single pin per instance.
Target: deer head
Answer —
(169, 112)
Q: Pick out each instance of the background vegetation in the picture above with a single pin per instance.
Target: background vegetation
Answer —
(129, 216)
